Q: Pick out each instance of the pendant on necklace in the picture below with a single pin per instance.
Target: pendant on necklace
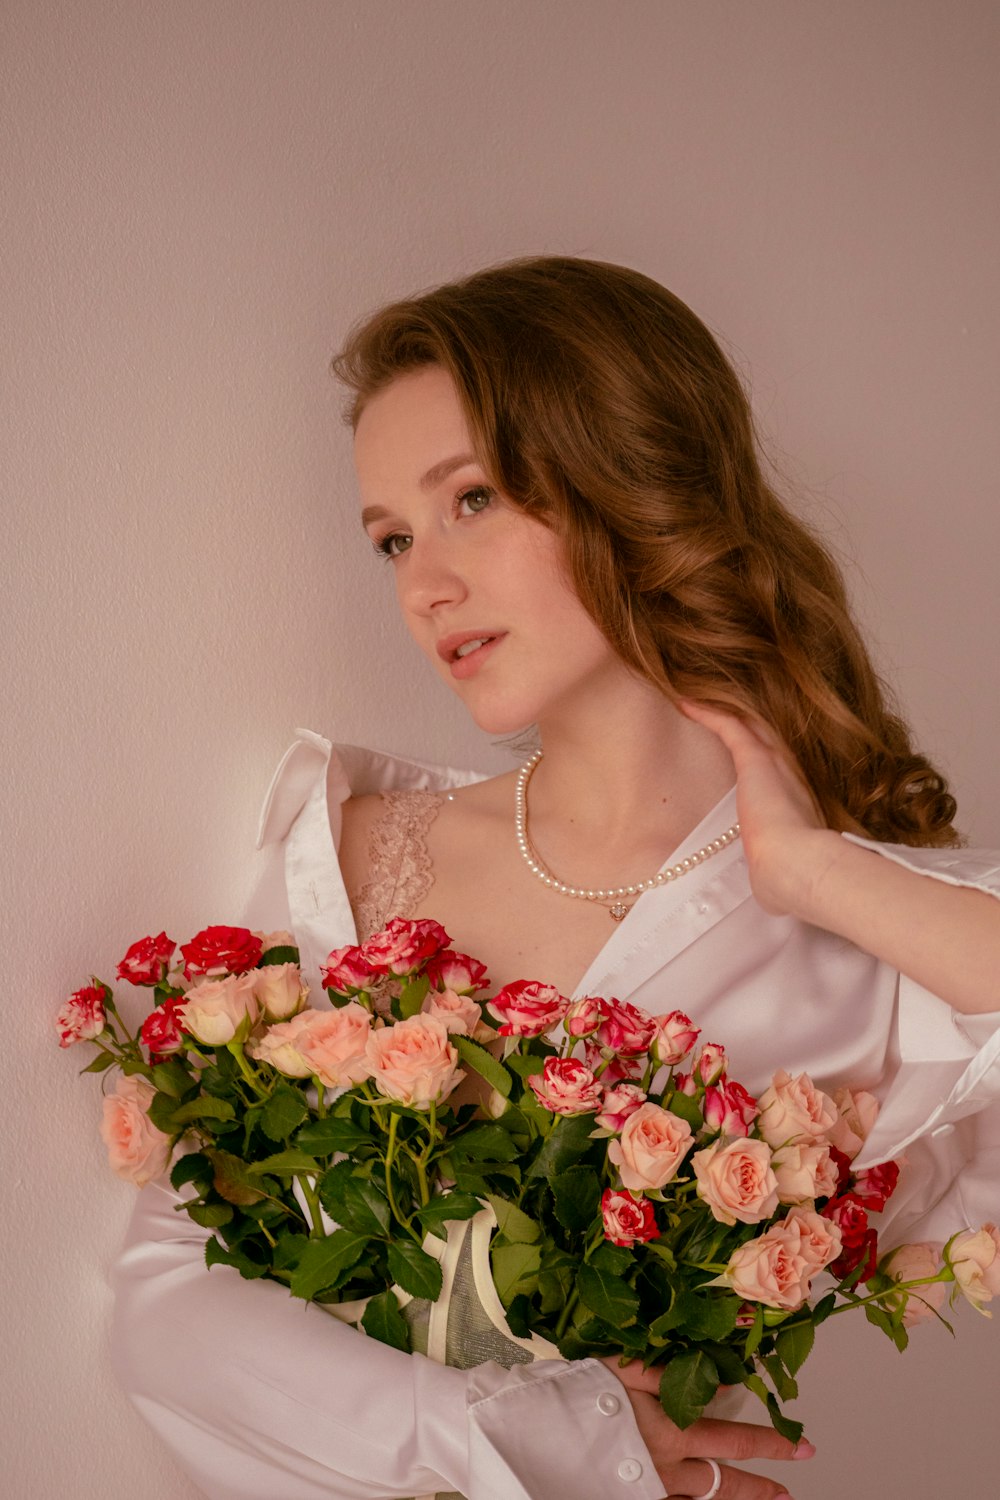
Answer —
(618, 911)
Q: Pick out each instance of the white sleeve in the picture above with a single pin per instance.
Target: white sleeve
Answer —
(263, 1397)
(941, 1113)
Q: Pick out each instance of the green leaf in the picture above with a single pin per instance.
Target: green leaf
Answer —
(172, 1078)
(195, 1167)
(383, 1320)
(162, 1108)
(279, 955)
(323, 1262)
(526, 1065)
(484, 1063)
(412, 996)
(324, 1137)
(686, 1108)
(484, 1143)
(445, 1208)
(231, 1179)
(283, 1113)
(712, 1317)
(101, 1061)
(783, 1383)
(608, 1296)
(209, 1215)
(788, 1429)
(515, 1270)
(204, 1107)
(285, 1162)
(879, 1318)
(794, 1345)
(514, 1225)
(755, 1334)
(288, 1251)
(216, 1254)
(613, 1258)
(576, 1195)
(364, 1208)
(687, 1385)
(568, 1141)
(414, 1270)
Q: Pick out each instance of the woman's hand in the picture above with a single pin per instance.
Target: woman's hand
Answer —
(681, 1457)
(788, 846)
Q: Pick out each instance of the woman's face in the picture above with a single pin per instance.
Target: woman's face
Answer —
(483, 588)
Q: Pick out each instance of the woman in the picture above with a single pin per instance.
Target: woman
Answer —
(559, 465)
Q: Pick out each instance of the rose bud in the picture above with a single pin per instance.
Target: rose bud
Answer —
(974, 1257)
(876, 1185)
(584, 1016)
(711, 1063)
(148, 960)
(460, 1013)
(216, 1009)
(162, 1031)
(279, 990)
(627, 1220)
(626, 1029)
(527, 1008)
(916, 1263)
(618, 1103)
(221, 950)
(604, 1064)
(457, 972)
(403, 947)
(82, 1017)
(673, 1038)
(856, 1114)
(347, 971)
(728, 1108)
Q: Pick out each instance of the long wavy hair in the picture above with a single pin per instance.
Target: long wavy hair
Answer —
(599, 403)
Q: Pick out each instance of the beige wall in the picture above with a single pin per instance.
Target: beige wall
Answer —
(204, 194)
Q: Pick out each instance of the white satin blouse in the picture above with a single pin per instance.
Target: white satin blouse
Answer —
(261, 1397)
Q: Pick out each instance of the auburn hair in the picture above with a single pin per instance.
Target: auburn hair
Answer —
(599, 403)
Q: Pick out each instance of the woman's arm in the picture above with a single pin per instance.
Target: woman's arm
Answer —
(943, 936)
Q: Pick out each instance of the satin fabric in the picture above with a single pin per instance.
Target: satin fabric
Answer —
(260, 1396)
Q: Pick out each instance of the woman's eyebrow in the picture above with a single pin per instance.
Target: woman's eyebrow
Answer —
(434, 476)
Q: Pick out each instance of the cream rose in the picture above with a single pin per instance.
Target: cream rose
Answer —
(651, 1147)
(137, 1151)
(794, 1110)
(915, 1263)
(856, 1114)
(974, 1257)
(214, 1010)
(778, 1268)
(279, 990)
(736, 1181)
(458, 1012)
(820, 1240)
(335, 1044)
(413, 1061)
(804, 1172)
(279, 1046)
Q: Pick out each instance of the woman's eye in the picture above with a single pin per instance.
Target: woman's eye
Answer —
(477, 499)
(393, 544)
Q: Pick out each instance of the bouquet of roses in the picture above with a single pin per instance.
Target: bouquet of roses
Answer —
(645, 1205)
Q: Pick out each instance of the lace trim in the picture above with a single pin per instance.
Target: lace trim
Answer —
(400, 868)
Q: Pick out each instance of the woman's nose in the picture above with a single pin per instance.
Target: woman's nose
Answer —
(430, 578)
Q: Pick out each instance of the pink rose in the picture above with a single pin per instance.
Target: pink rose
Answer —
(137, 1151)
(875, 1185)
(330, 1045)
(527, 1008)
(804, 1172)
(856, 1114)
(566, 1087)
(819, 1239)
(82, 1017)
(347, 972)
(279, 990)
(215, 1010)
(221, 950)
(148, 960)
(736, 1181)
(627, 1219)
(618, 1103)
(651, 1147)
(457, 972)
(728, 1108)
(584, 1016)
(413, 1061)
(793, 1110)
(673, 1038)
(162, 1030)
(974, 1257)
(777, 1268)
(280, 939)
(403, 947)
(916, 1263)
(626, 1029)
(460, 1013)
(711, 1064)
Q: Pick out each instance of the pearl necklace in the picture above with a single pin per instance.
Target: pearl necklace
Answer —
(612, 897)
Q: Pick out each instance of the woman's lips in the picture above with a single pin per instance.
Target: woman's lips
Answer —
(466, 666)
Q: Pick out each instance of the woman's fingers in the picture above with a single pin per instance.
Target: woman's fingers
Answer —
(714, 1437)
(695, 1477)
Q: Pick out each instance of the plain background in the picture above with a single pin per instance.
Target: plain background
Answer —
(201, 195)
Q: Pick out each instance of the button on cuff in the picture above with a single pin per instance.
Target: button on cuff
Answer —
(629, 1470)
(608, 1404)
